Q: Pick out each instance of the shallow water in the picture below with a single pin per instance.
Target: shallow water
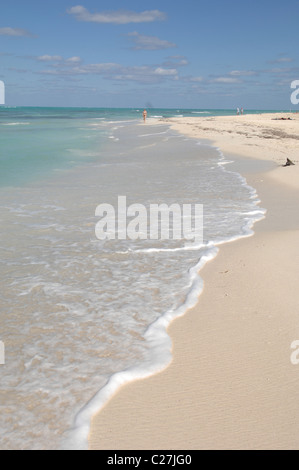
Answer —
(76, 311)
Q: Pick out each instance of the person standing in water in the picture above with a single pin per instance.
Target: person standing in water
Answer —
(144, 115)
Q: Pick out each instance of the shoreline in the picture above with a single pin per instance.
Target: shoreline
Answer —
(230, 383)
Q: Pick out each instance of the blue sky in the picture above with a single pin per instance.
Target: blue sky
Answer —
(167, 53)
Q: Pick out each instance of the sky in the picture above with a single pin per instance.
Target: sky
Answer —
(218, 54)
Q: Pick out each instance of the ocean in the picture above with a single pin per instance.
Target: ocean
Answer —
(80, 316)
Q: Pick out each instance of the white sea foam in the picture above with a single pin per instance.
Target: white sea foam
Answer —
(160, 345)
(155, 134)
(16, 124)
(190, 247)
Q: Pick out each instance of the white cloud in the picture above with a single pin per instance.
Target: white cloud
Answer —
(196, 79)
(59, 61)
(175, 61)
(49, 58)
(74, 60)
(278, 70)
(165, 72)
(145, 74)
(243, 73)
(150, 43)
(281, 60)
(116, 17)
(15, 32)
(100, 69)
(113, 71)
(227, 80)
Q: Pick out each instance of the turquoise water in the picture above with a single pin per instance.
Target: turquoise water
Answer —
(34, 142)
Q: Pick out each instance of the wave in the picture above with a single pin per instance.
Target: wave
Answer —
(161, 356)
(149, 135)
(16, 124)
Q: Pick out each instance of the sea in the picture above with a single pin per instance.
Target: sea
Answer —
(80, 316)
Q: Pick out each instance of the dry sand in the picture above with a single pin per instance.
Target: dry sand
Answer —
(231, 384)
